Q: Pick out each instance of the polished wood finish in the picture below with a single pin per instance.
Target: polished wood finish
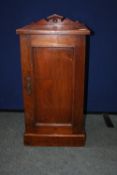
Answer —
(53, 72)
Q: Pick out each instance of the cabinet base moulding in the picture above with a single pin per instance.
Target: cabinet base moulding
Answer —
(54, 140)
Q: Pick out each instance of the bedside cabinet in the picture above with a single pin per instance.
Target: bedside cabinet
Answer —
(53, 72)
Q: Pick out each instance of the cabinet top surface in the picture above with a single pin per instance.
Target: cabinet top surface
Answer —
(54, 24)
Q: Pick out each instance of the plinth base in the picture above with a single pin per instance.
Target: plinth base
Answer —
(54, 140)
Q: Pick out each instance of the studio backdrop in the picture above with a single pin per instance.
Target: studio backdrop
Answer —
(99, 16)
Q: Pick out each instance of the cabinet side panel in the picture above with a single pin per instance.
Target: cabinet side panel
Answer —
(78, 120)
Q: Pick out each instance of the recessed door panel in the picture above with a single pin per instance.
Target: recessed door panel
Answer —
(53, 75)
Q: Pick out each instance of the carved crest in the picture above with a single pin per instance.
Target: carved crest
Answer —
(55, 18)
(58, 22)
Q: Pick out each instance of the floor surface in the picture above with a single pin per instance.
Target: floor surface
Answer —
(98, 157)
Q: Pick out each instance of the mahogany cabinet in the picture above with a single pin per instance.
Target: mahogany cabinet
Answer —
(53, 72)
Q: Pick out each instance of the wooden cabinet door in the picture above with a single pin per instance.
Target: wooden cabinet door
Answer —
(53, 86)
